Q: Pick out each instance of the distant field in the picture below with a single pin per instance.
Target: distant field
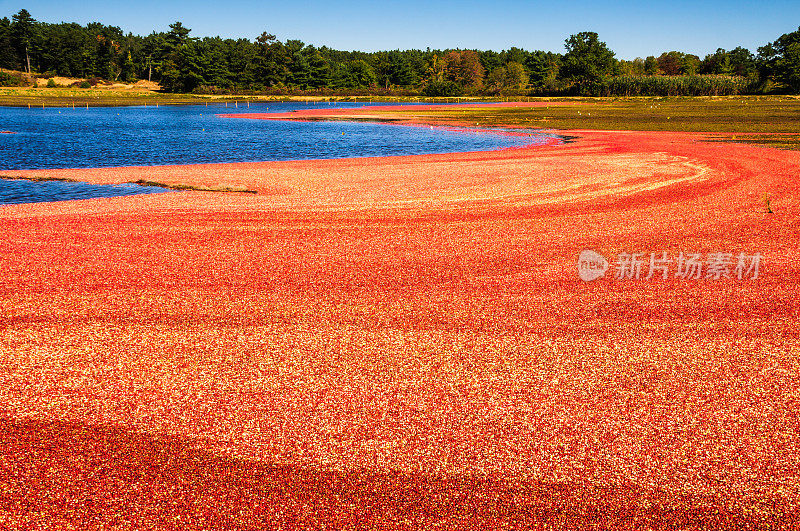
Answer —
(752, 114)
(109, 96)
(66, 96)
(769, 120)
(762, 116)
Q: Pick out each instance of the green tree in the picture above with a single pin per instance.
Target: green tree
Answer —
(739, 61)
(491, 60)
(516, 76)
(587, 61)
(543, 67)
(725, 67)
(787, 69)
(23, 33)
(299, 68)
(509, 77)
(689, 64)
(382, 65)
(401, 68)
(177, 36)
(271, 60)
(319, 69)
(434, 71)
(650, 66)
(300, 75)
(214, 62)
(242, 60)
(152, 47)
(516, 55)
(743, 61)
(495, 81)
(127, 71)
(7, 56)
(632, 68)
(107, 50)
(356, 74)
(64, 47)
(442, 88)
(181, 69)
(781, 60)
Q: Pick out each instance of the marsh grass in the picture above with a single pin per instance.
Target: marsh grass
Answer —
(737, 114)
(106, 97)
(234, 189)
(66, 97)
(775, 140)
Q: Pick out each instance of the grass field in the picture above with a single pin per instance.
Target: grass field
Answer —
(751, 114)
(105, 96)
(761, 116)
(66, 97)
(773, 120)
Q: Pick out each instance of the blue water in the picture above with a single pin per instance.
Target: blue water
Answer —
(13, 191)
(193, 134)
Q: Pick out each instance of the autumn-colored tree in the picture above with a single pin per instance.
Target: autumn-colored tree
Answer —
(669, 63)
(677, 63)
(464, 68)
(435, 71)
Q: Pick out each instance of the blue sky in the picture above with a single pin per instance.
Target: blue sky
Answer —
(631, 29)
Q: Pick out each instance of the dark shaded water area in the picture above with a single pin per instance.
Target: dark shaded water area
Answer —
(15, 191)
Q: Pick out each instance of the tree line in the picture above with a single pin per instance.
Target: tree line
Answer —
(182, 63)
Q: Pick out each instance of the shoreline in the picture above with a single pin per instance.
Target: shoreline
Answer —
(165, 175)
(64, 174)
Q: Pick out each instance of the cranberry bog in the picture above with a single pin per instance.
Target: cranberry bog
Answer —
(409, 342)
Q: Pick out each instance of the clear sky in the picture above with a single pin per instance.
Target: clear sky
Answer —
(630, 28)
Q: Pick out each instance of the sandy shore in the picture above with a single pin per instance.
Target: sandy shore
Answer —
(405, 342)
